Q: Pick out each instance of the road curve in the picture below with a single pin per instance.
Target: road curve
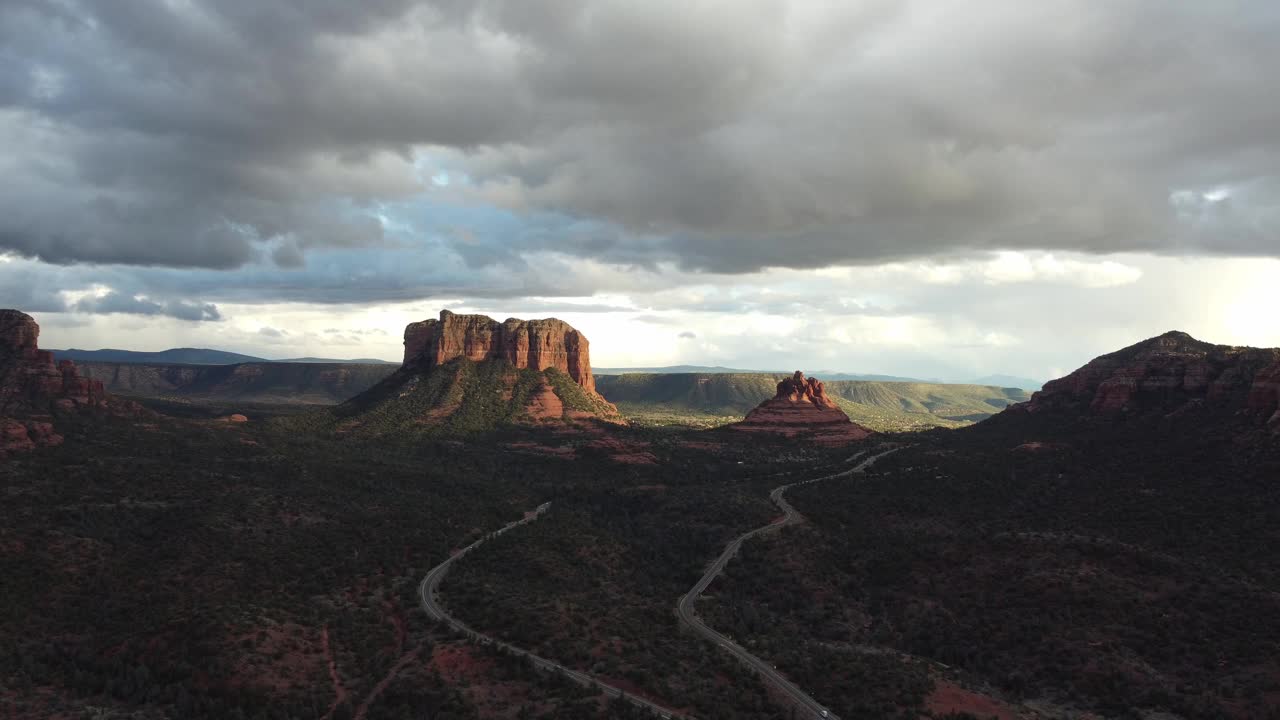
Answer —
(688, 613)
(430, 586)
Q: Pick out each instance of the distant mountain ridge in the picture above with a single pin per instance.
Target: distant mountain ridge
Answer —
(334, 361)
(266, 382)
(192, 356)
(1012, 381)
(721, 370)
(879, 405)
(181, 356)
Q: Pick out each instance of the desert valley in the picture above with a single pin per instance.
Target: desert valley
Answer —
(288, 540)
(609, 360)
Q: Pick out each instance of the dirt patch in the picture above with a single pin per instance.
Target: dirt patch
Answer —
(458, 662)
(1038, 446)
(540, 449)
(646, 488)
(700, 445)
(278, 657)
(544, 404)
(951, 698)
(632, 452)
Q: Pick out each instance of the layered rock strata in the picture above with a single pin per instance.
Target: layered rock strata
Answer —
(537, 344)
(1168, 374)
(801, 406)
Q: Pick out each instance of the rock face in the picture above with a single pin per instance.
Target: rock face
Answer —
(534, 373)
(33, 389)
(537, 344)
(1170, 373)
(801, 406)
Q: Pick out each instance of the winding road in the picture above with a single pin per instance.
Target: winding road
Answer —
(688, 613)
(430, 586)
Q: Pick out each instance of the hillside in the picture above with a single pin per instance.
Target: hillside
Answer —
(464, 396)
(266, 382)
(717, 399)
(1162, 378)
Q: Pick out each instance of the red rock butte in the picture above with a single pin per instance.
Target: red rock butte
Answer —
(1166, 374)
(33, 387)
(537, 344)
(801, 406)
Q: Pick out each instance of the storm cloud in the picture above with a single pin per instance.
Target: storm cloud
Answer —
(711, 136)
(115, 302)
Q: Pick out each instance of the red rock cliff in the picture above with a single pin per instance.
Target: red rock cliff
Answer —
(801, 405)
(32, 386)
(537, 344)
(1164, 374)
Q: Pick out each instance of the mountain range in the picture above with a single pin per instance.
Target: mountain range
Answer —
(191, 356)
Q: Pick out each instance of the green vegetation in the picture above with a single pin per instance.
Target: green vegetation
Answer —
(185, 566)
(1121, 571)
(574, 396)
(708, 400)
(193, 569)
(456, 399)
(594, 583)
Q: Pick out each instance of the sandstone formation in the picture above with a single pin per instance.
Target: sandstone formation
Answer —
(801, 406)
(537, 344)
(34, 389)
(1172, 373)
(469, 373)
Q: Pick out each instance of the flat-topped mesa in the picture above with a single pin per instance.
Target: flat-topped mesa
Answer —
(801, 405)
(537, 344)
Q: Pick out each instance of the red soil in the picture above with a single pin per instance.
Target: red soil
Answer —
(301, 657)
(538, 448)
(457, 662)
(950, 698)
(625, 451)
(544, 404)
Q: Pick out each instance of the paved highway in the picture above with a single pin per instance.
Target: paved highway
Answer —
(688, 613)
(430, 586)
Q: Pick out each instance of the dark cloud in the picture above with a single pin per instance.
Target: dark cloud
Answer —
(687, 335)
(722, 136)
(116, 302)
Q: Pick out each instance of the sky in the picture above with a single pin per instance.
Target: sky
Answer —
(933, 189)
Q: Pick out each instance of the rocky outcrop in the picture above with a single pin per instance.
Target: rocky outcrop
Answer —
(1172, 373)
(469, 374)
(801, 406)
(537, 344)
(34, 389)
